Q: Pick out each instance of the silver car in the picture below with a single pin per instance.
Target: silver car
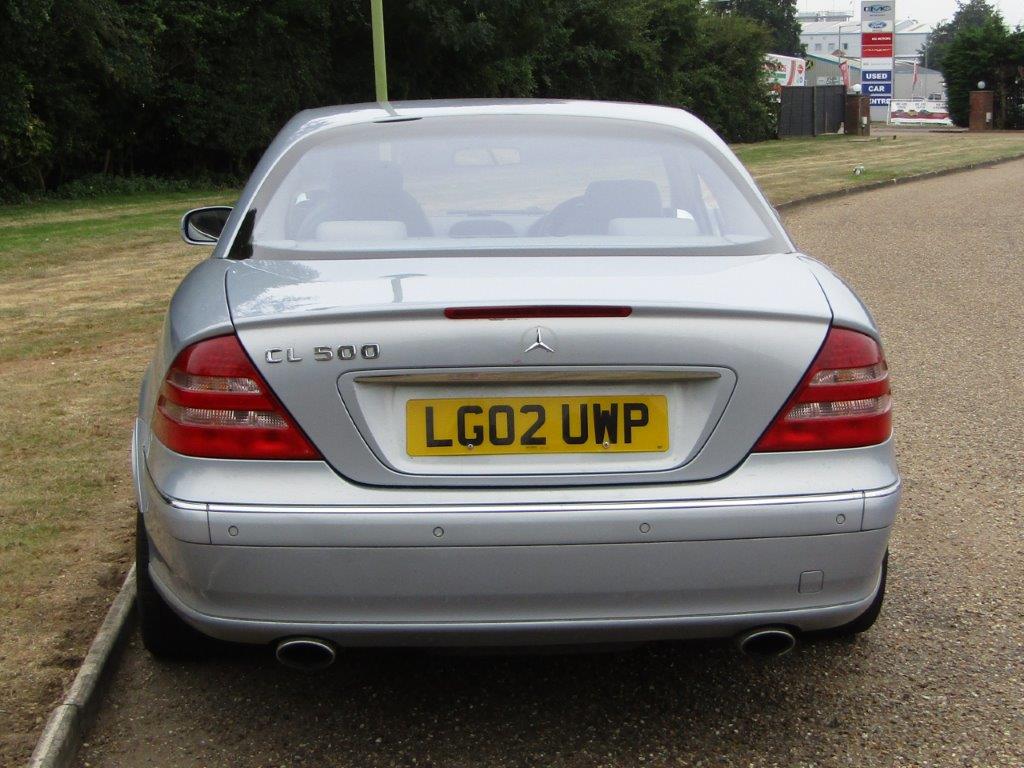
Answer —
(508, 372)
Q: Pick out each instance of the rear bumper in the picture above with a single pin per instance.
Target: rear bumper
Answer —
(513, 595)
(507, 574)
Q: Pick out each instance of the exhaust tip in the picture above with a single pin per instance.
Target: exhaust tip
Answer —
(767, 642)
(305, 653)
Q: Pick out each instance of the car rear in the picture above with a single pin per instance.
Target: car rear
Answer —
(616, 422)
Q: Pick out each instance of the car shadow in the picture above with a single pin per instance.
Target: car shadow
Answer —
(548, 706)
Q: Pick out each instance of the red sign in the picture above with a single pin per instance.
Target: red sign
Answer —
(876, 45)
(876, 38)
(876, 52)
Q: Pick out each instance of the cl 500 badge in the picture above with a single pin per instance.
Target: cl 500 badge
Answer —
(324, 354)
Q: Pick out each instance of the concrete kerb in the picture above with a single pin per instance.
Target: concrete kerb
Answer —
(62, 735)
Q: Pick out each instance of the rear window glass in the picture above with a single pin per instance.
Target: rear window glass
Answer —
(505, 182)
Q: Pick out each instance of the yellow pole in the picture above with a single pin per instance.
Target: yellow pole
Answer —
(380, 68)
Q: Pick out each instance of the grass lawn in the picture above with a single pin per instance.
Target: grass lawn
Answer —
(795, 168)
(83, 289)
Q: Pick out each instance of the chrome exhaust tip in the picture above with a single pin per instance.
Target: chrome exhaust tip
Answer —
(305, 653)
(766, 642)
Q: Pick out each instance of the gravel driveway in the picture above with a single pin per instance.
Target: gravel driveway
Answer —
(938, 682)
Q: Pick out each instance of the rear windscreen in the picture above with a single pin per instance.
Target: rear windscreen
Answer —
(506, 182)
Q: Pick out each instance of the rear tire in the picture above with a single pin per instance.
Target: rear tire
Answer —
(866, 620)
(164, 633)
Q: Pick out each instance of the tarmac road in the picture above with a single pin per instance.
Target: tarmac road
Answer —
(938, 682)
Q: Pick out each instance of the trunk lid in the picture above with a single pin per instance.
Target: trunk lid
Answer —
(359, 349)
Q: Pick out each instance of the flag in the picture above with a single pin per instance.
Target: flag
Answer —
(915, 74)
(844, 70)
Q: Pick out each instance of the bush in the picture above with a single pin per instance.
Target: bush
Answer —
(106, 185)
(100, 185)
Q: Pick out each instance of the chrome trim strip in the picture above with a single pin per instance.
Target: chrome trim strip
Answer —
(888, 490)
(620, 506)
(189, 505)
(558, 375)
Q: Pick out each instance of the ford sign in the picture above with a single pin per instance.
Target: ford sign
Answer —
(878, 24)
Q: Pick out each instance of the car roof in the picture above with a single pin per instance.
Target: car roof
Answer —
(322, 118)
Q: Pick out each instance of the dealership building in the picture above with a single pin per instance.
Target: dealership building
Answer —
(839, 34)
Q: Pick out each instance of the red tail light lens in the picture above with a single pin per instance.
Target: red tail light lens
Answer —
(215, 404)
(842, 402)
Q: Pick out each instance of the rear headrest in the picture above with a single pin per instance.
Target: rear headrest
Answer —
(624, 197)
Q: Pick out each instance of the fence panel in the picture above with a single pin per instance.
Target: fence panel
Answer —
(1009, 109)
(811, 110)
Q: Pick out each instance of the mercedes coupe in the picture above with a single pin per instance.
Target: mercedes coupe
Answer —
(504, 373)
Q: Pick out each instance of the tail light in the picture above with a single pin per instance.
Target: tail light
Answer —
(214, 403)
(842, 402)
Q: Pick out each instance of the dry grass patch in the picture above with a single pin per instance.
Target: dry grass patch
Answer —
(81, 302)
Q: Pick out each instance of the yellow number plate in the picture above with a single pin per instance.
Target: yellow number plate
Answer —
(599, 424)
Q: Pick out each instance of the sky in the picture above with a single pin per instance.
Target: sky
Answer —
(929, 11)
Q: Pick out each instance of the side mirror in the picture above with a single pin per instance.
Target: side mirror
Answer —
(202, 226)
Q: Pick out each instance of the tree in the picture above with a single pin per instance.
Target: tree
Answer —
(24, 138)
(721, 77)
(673, 52)
(93, 66)
(197, 88)
(990, 53)
(230, 73)
(969, 14)
(778, 16)
(71, 75)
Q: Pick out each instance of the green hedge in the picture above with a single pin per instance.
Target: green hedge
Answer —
(190, 88)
